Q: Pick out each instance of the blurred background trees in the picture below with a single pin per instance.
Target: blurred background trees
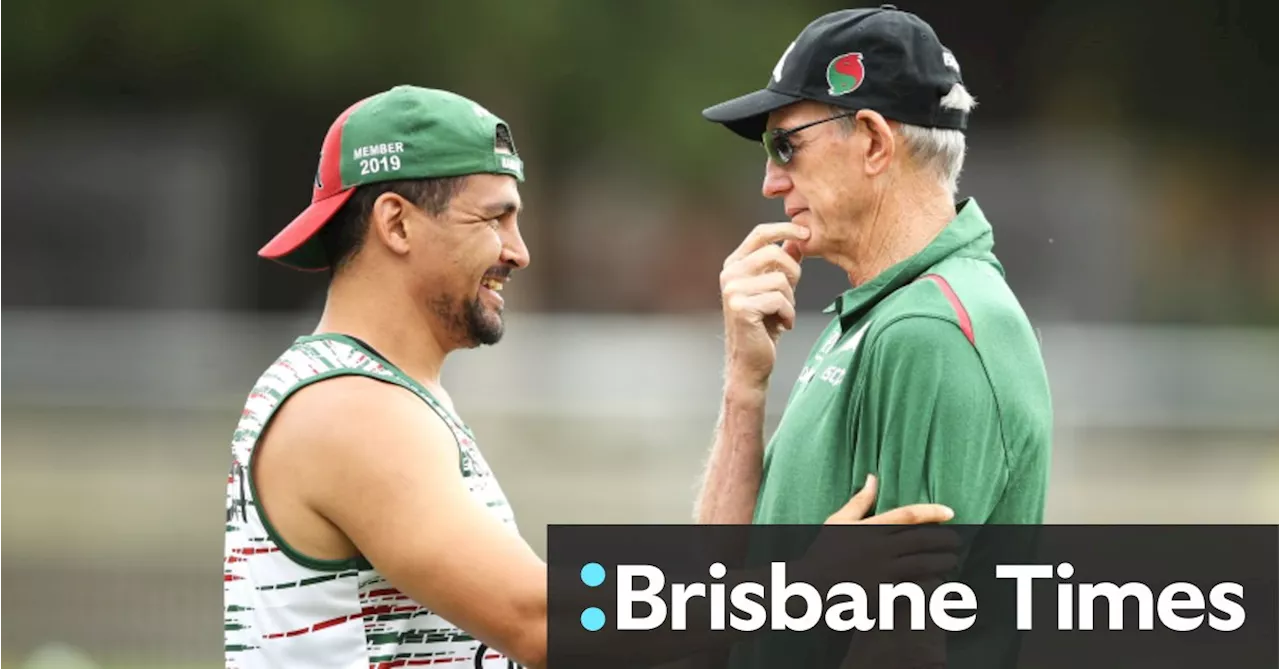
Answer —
(1134, 135)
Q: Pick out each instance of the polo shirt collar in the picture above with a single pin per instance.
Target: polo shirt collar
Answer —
(968, 232)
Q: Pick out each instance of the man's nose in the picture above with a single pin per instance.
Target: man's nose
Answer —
(776, 180)
(514, 250)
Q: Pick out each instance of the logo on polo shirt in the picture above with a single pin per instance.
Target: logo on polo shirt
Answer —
(833, 374)
(854, 340)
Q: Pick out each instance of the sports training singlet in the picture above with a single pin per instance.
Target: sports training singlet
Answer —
(283, 609)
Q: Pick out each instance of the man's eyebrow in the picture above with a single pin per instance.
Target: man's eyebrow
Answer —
(502, 208)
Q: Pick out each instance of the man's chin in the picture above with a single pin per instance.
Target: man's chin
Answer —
(489, 332)
(486, 340)
(484, 326)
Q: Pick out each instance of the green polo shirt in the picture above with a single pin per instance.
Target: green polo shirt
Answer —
(929, 376)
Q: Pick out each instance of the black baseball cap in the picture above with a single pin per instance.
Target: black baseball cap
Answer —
(882, 58)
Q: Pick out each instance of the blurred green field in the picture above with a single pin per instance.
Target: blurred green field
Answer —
(64, 656)
(114, 476)
(113, 531)
(117, 664)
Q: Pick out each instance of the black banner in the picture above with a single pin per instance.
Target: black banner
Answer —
(751, 597)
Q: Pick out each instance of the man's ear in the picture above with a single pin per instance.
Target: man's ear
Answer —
(387, 222)
(881, 144)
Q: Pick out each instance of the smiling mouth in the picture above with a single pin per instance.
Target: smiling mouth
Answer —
(492, 284)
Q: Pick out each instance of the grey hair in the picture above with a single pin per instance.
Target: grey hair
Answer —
(939, 150)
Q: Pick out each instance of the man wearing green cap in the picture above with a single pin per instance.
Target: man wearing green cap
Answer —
(929, 374)
(356, 500)
(363, 526)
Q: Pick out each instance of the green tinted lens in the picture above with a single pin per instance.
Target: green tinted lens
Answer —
(777, 147)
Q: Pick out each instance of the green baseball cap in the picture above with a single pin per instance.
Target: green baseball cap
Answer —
(407, 132)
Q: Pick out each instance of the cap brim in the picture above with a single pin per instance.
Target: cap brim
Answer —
(747, 116)
(290, 247)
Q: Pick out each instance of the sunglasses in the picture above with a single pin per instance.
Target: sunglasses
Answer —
(777, 142)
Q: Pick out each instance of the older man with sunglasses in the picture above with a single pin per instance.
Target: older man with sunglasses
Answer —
(929, 375)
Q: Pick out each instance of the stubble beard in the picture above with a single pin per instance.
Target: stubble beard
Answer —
(470, 323)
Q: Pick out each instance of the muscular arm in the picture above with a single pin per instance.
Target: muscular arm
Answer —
(384, 470)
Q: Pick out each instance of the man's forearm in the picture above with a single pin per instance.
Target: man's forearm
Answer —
(733, 472)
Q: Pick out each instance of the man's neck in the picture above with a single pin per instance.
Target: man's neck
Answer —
(896, 229)
(400, 332)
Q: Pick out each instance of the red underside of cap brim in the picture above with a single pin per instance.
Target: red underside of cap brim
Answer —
(284, 247)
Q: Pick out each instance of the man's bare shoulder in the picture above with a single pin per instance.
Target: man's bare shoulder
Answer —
(329, 424)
